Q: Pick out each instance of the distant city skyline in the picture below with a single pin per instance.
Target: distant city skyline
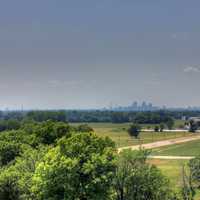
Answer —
(146, 106)
(134, 106)
(86, 54)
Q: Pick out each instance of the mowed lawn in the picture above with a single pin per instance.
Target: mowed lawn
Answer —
(118, 133)
(185, 149)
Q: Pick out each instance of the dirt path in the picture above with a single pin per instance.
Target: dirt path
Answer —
(161, 143)
(172, 157)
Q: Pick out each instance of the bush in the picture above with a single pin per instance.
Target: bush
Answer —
(134, 130)
(156, 129)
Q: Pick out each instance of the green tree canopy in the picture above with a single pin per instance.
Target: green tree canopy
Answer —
(16, 179)
(137, 180)
(80, 167)
(85, 128)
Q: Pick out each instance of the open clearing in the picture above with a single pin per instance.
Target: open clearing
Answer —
(165, 143)
(170, 166)
(173, 170)
(118, 133)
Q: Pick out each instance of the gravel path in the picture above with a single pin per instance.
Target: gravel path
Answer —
(161, 143)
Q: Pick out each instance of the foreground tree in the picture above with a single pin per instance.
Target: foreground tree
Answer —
(194, 166)
(191, 179)
(16, 179)
(12, 144)
(47, 132)
(137, 180)
(81, 167)
(188, 191)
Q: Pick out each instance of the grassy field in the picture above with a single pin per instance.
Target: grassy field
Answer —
(179, 123)
(185, 149)
(173, 170)
(118, 133)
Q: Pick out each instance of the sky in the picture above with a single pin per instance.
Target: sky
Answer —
(88, 54)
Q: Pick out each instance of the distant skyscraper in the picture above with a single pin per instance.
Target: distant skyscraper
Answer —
(134, 105)
(144, 106)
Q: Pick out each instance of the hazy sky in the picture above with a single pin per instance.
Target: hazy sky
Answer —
(89, 53)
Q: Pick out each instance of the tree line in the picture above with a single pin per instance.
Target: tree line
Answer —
(154, 117)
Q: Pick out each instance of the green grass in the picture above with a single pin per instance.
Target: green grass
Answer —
(170, 168)
(179, 123)
(185, 149)
(118, 133)
(173, 170)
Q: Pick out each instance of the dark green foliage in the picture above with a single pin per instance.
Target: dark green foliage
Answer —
(46, 132)
(156, 129)
(134, 130)
(13, 115)
(41, 116)
(170, 123)
(3, 125)
(162, 126)
(194, 166)
(12, 144)
(188, 191)
(8, 152)
(193, 126)
(85, 128)
(152, 117)
(10, 124)
(145, 117)
(156, 117)
(119, 117)
(191, 179)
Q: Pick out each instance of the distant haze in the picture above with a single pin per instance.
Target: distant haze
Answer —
(87, 54)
